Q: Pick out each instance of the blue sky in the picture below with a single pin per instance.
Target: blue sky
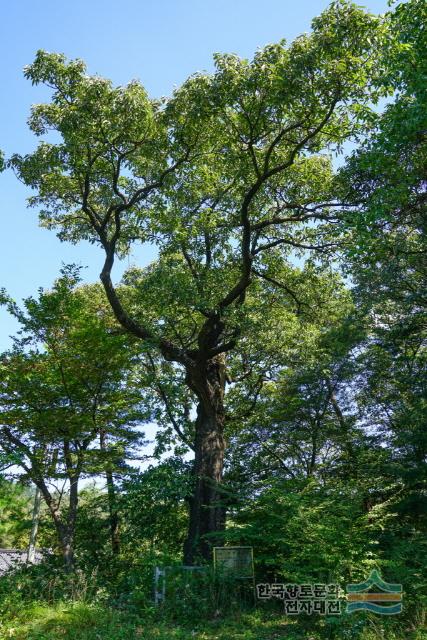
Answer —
(160, 43)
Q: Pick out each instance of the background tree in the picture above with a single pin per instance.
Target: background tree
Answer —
(294, 406)
(68, 403)
(388, 255)
(386, 258)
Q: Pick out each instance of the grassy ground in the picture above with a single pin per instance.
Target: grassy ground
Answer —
(90, 622)
(84, 622)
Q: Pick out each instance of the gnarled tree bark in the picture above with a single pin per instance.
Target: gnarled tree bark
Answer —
(207, 512)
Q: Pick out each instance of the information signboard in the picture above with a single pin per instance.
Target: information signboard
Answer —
(236, 560)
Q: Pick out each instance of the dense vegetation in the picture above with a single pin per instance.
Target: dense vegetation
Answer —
(277, 342)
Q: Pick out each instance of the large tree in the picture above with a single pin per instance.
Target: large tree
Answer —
(230, 178)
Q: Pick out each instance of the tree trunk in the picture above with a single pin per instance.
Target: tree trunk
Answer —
(68, 531)
(65, 533)
(114, 516)
(65, 527)
(31, 553)
(67, 544)
(62, 531)
(112, 502)
(207, 512)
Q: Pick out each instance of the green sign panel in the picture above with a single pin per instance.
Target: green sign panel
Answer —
(236, 560)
